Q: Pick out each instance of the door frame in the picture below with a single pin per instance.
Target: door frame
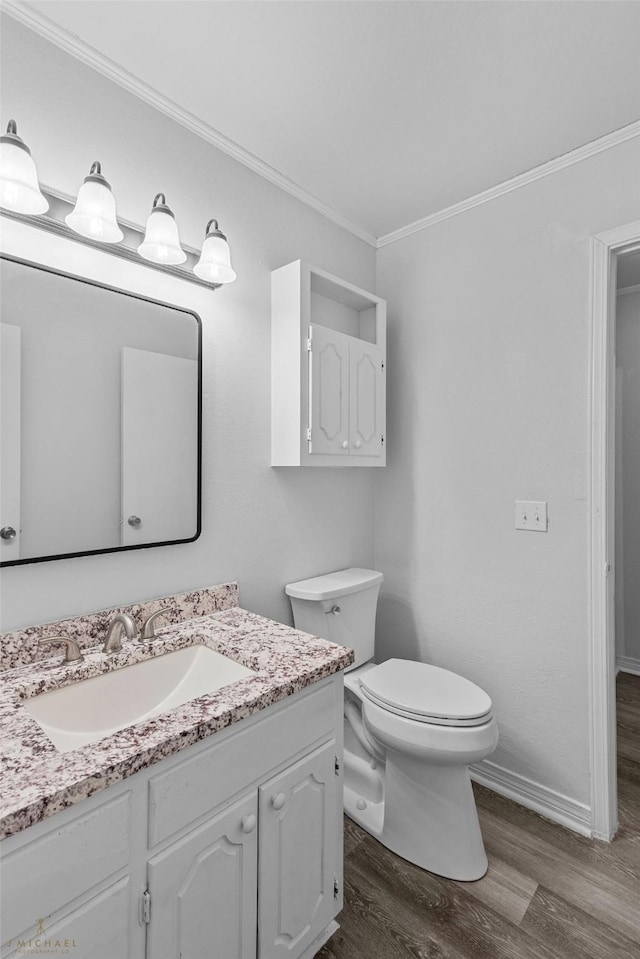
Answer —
(605, 249)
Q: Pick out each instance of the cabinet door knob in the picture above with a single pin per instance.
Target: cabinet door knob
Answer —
(248, 823)
(345, 444)
(278, 800)
(358, 444)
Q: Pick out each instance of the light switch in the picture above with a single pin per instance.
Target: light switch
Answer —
(531, 515)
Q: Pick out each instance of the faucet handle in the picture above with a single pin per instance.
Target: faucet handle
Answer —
(148, 631)
(72, 652)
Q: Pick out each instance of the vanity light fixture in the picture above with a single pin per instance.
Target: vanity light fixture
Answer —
(94, 214)
(214, 264)
(19, 189)
(161, 241)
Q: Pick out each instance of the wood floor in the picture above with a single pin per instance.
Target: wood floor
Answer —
(549, 893)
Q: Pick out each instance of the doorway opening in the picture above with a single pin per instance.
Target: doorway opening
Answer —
(609, 251)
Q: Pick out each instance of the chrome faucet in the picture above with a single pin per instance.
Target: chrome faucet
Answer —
(120, 622)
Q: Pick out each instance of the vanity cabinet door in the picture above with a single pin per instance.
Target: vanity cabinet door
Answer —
(298, 860)
(96, 929)
(203, 890)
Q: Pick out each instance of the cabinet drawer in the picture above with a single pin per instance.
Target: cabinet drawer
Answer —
(194, 787)
(54, 869)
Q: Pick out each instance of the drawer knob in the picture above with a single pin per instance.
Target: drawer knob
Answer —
(278, 800)
(248, 823)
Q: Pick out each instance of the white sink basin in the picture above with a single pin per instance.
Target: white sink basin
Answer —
(91, 709)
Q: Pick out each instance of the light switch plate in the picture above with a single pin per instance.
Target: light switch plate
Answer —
(531, 515)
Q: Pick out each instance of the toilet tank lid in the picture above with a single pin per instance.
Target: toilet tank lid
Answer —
(332, 585)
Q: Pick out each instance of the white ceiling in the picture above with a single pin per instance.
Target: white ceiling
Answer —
(385, 110)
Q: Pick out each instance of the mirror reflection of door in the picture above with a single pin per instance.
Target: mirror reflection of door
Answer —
(159, 435)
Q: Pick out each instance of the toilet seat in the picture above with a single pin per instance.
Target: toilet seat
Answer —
(426, 694)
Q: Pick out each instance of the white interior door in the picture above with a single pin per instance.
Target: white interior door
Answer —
(159, 447)
(329, 391)
(10, 448)
(366, 399)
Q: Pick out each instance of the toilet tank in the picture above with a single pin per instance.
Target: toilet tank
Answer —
(340, 607)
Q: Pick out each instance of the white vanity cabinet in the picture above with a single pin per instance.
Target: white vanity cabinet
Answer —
(328, 359)
(230, 849)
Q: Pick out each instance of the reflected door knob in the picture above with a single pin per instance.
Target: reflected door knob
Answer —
(278, 800)
(134, 521)
(345, 444)
(248, 823)
(8, 533)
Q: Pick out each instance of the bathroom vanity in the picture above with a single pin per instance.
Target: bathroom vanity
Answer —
(213, 830)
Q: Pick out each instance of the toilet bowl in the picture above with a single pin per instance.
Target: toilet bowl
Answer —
(424, 809)
(411, 731)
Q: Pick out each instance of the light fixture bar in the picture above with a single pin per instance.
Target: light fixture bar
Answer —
(54, 222)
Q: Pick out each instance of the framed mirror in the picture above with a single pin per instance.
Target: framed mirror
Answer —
(101, 417)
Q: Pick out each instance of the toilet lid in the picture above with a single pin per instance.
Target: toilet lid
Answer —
(427, 693)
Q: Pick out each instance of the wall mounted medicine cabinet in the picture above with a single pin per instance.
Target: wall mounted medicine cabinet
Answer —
(328, 358)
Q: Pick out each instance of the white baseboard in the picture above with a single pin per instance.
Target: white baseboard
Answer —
(547, 802)
(627, 664)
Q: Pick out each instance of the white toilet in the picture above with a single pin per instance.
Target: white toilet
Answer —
(411, 731)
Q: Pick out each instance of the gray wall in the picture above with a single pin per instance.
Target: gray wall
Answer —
(488, 403)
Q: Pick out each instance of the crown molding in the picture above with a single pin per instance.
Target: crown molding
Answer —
(523, 179)
(86, 54)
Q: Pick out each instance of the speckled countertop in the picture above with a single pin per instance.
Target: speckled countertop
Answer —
(36, 780)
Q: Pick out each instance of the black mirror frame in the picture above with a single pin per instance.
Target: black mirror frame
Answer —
(145, 299)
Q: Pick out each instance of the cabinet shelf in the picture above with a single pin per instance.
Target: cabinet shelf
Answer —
(328, 360)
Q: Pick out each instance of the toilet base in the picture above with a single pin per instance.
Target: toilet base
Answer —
(427, 815)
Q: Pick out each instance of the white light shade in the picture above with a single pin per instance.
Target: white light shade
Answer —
(214, 264)
(161, 242)
(19, 190)
(94, 214)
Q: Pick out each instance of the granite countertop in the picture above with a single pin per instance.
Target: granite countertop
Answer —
(37, 781)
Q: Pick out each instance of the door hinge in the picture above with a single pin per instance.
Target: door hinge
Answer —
(336, 889)
(145, 906)
(607, 569)
(309, 345)
(336, 765)
(309, 433)
(382, 440)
